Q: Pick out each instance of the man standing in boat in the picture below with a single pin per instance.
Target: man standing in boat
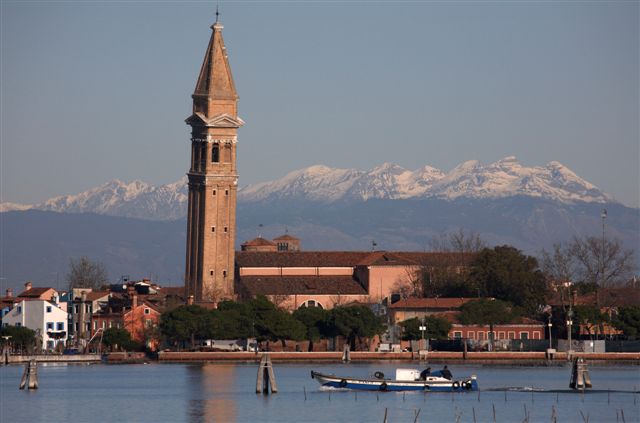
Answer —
(426, 372)
(446, 373)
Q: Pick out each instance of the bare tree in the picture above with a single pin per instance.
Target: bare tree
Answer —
(460, 241)
(84, 273)
(559, 264)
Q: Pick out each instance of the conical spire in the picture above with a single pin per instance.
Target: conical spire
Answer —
(215, 80)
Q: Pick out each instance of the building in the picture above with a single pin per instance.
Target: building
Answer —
(284, 242)
(47, 318)
(213, 177)
(293, 279)
(139, 317)
(421, 307)
(82, 303)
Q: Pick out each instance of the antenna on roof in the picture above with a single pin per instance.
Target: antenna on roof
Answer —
(260, 230)
(373, 245)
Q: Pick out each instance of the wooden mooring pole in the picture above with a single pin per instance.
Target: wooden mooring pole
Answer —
(346, 354)
(30, 376)
(266, 379)
(580, 375)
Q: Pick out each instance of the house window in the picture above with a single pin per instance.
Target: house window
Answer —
(226, 192)
(210, 272)
(226, 229)
(524, 335)
(471, 335)
(49, 325)
(104, 324)
(501, 335)
(18, 324)
(512, 335)
(213, 229)
(95, 325)
(148, 323)
(77, 326)
(215, 153)
(457, 335)
(48, 309)
(214, 192)
(311, 303)
(224, 273)
(60, 326)
(480, 336)
(19, 309)
(75, 308)
(147, 311)
(536, 335)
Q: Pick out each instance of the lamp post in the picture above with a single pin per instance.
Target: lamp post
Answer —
(569, 324)
(423, 328)
(549, 324)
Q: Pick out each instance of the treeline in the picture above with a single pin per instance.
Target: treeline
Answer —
(187, 326)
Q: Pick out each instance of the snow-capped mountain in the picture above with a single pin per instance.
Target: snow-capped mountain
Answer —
(471, 179)
(116, 198)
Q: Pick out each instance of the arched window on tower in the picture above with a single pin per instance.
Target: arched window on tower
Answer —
(215, 153)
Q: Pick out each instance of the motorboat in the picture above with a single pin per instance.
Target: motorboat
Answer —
(405, 380)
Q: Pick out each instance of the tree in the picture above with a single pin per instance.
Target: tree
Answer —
(436, 328)
(590, 318)
(20, 337)
(628, 321)
(314, 320)
(486, 312)
(117, 338)
(84, 273)
(354, 323)
(187, 323)
(506, 274)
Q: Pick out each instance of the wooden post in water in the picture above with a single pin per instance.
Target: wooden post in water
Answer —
(30, 376)
(346, 354)
(580, 375)
(266, 379)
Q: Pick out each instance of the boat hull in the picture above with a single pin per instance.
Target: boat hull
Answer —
(458, 385)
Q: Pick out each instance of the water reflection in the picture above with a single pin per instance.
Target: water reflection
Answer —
(211, 390)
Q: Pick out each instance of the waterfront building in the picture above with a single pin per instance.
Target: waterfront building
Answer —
(81, 304)
(46, 317)
(213, 177)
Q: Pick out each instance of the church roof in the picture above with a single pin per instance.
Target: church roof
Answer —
(286, 237)
(301, 285)
(258, 242)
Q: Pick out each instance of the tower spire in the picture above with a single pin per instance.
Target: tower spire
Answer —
(217, 12)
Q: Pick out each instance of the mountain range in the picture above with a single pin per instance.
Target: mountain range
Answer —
(138, 229)
(502, 179)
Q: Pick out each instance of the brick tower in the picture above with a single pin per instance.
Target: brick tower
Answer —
(213, 177)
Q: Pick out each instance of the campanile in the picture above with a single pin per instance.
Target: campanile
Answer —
(213, 177)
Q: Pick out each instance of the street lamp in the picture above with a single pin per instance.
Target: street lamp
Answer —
(549, 324)
(424, 328)
(569, 323)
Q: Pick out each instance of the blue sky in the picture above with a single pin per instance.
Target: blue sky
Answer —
(93, 91)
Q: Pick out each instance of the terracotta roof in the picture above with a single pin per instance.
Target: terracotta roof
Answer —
(423, 303)
(176, 291)
(33, 292)
(383, 258)
(299, 258)
(607, 297)
(348, 258)
(96, 295)
(258, 242)
(301, 285)
(286, 237)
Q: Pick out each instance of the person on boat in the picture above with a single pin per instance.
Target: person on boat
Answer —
(446, 373)
(426, 372)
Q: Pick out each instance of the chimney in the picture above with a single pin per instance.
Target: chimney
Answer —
(9, 292)
(134, 301)
(190, 300)
(27, 286)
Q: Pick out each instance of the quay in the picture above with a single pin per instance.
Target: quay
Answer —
(51, 358)
(524, 358)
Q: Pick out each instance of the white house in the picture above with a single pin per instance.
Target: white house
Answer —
(47, 318)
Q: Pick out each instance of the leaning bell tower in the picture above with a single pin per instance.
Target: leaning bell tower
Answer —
(213, 177)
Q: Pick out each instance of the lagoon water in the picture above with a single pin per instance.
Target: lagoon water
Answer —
(226, 393)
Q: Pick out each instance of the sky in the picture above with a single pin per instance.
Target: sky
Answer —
(94, 91)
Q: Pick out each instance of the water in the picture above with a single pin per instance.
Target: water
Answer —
(226, 393)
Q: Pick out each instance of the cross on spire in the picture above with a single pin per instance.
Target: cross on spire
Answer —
(217, 12)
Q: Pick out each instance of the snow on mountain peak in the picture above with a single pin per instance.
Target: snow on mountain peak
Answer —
(471, 179)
